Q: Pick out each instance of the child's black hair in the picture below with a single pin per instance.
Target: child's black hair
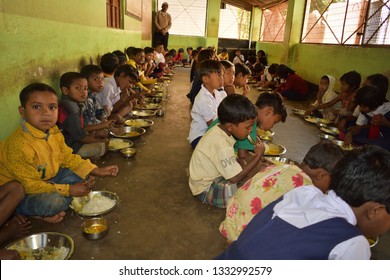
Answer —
(129, 52)
(258, 68)
(127, 71)
(272, 69)
(226, 64)
(109, 62)
(274, 100)
(190, 49)
(148, 50)
(242, 69)
(68, 78)
(252, 59)
(369, 96)
(205, 54)
(224, 50)
(261, 52)
(352, 78)
(121, 56)
(380, 81)
(236, 108)
(324, 155)
(90, 69)
(325, 78)
(31, 88)
(208, 66)
(180, 50)
(363, 176)
(282, 71)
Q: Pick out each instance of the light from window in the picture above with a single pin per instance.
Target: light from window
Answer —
(188, 16)
(274, 23)
(234, 23)
(347, 22)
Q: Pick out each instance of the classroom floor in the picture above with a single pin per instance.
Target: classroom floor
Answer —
(157, 217)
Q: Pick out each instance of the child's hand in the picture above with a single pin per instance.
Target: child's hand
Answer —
(348, 138)
(79, 189)
(111, 170)
(246, 90)
(109, 123)
(259, 148)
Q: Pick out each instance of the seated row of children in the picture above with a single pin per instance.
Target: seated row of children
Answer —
(362, 114)
(335, 222)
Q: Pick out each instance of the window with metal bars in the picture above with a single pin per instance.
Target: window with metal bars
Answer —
(234, 23)
(113, 10)
(274, 23)
(347, 22)
(188, 16)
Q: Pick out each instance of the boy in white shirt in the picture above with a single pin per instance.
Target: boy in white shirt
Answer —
(204, 110)
(373, 123)
(214, 172)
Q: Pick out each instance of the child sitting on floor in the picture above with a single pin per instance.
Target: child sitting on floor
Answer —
(373, 123)
(274, 181)
(242, 74)
(306, 224)
(204, 110)
(214, 172)
(95, 118)
(74, 88)
(349, 83)
(327, 103)
(270, 111)
(293, 87)
(36, 155)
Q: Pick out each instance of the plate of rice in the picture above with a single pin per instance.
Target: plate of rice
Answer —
(96, 203)
(117, 144)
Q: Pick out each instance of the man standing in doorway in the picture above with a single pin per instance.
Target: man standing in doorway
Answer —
(162, 23)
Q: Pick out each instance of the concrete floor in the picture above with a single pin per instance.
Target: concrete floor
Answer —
(157, 217)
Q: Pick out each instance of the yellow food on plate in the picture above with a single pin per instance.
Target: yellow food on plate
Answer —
(130, 134)
(95, 228)
(261, 132)
(137, 123)
(117, 144)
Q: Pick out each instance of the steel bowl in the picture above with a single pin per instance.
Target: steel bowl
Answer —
(343, 145)
(325, 136)
(316, 120)
(373, 241)
(330, 130)
(261, 132)
(273, 149)
(130, 132)
(94, 229)
(80, 206)
(44, 246)
(281, 160)
(117, 144)
(144, 123)
(143, 113)
(154, 99)
(266, 138)
(299, 112)
(149, 106)
(129, 152)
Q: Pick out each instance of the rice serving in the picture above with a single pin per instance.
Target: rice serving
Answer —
(117, 144)
(46, 253)
(97, 204)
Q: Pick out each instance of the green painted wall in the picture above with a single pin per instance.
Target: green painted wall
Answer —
(42, 39)
(312, 61)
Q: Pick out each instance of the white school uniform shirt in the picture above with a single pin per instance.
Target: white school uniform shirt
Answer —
(110, 93)
(204, 109)
(307, 205)
(159, 57)
(237, 60)
(381, 110)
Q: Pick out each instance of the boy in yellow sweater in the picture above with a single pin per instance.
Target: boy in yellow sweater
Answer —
(36, 155)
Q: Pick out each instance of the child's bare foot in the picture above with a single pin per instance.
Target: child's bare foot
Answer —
(52, 219)
(15, 227)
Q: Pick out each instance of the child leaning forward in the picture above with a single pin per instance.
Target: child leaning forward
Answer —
(214, 171)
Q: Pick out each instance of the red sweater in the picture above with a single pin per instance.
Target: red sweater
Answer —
(295, 83)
